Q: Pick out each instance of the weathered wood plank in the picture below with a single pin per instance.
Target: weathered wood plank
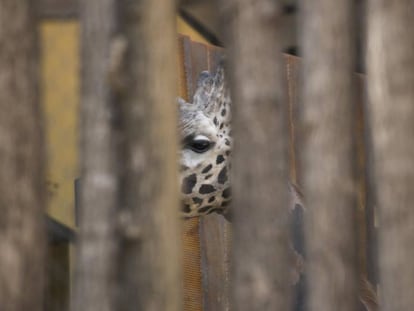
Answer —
(261, 258)
(98, 242)
(58, 8)
(150, 268)
(390, 81)
(215, 235)
(22, 162)
(328, 159)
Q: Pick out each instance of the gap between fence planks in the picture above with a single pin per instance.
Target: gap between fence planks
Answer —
(191, 258)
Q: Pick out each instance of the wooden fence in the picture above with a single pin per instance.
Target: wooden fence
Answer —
(345, 137)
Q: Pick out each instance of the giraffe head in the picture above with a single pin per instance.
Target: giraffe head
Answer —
(204, 127)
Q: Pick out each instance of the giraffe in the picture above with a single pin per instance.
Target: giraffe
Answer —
(206, 141)
(205, 163)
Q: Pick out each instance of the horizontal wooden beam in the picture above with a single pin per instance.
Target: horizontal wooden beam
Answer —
(57, 8)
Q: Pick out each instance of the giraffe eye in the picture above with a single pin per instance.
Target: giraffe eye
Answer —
(200, 145)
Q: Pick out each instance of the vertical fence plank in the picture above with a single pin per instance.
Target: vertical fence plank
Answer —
(150, 261)
(328, 160)
(390, 63)
(97, 245)
(22, 242)
(215, 241)
(129, 141)
(260, 241)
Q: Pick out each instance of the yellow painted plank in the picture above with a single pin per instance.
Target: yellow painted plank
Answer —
(60, 91)
(184, 29)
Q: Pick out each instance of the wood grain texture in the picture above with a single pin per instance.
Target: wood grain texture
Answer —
(22, 183)
(328, 159)
(128, 254)
(390, 81)
(261, 258)
(97, 246)
(215, 235)
(150, 267)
